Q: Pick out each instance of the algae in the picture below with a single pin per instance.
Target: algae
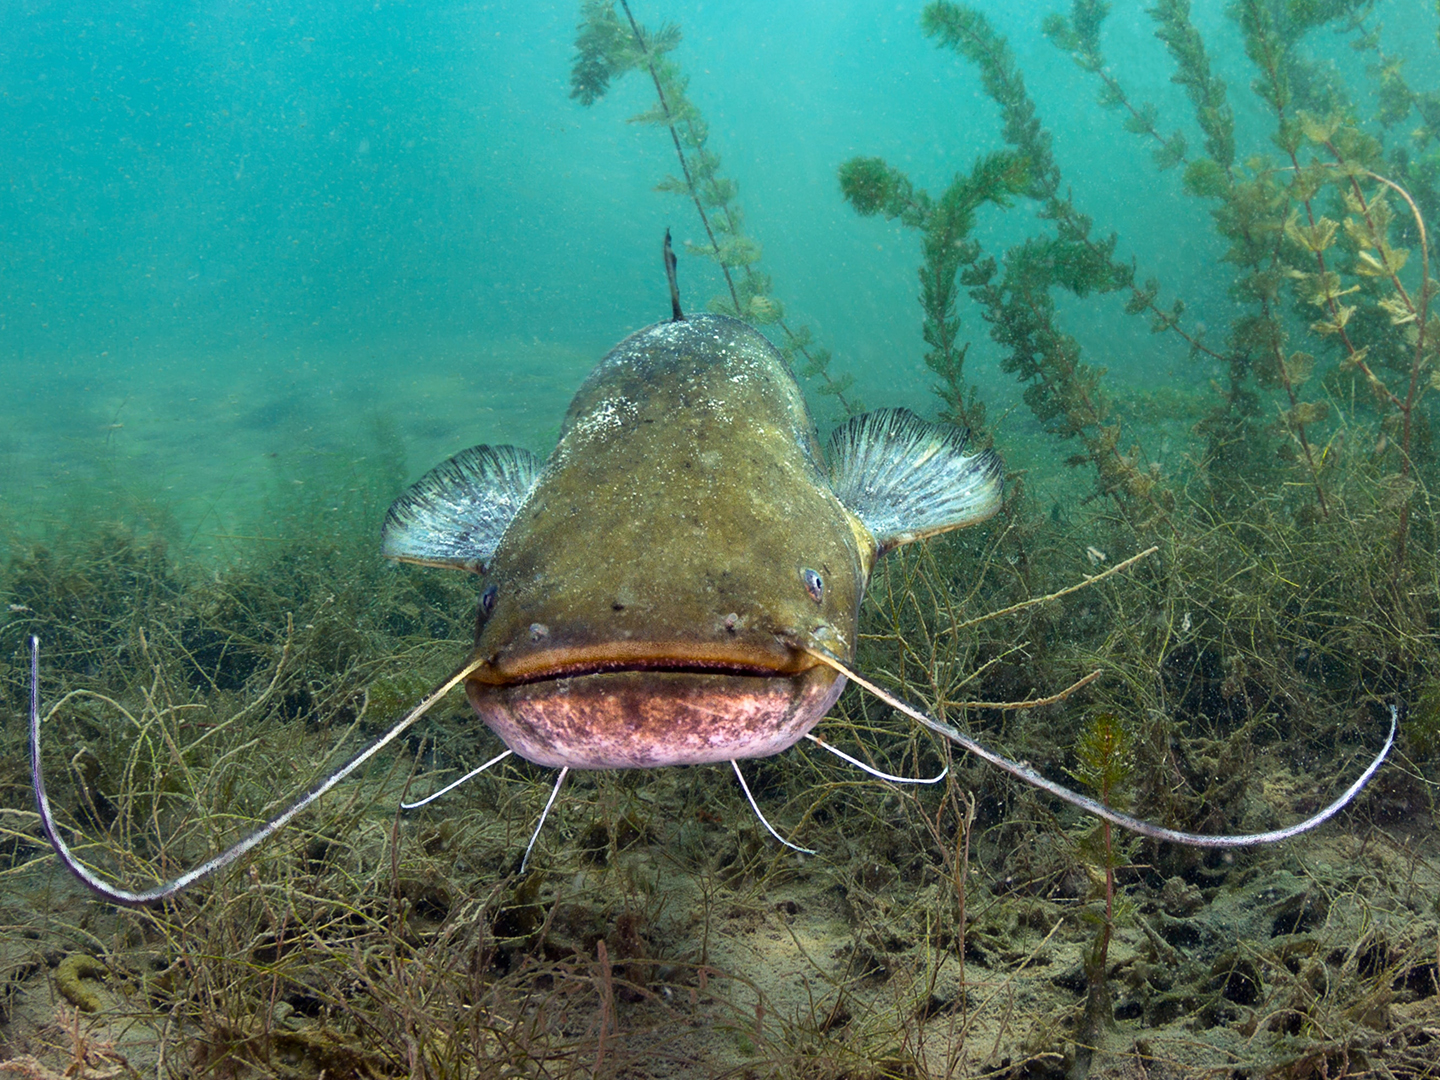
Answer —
(71, 975)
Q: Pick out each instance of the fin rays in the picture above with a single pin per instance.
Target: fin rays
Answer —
(906, 478)
(454, 516)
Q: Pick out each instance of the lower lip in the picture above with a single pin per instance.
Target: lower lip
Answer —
(646, 717)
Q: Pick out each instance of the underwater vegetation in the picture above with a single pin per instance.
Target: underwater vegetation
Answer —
(1309, 230)
(607, 46)
(981, 928)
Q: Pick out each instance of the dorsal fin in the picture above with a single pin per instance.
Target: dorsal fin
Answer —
(906, 478)
(455, 514)
(676, 315)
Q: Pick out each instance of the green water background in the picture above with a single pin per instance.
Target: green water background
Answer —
(252, 252)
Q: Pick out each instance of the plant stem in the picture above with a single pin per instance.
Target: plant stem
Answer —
(833, 386)
(679, 150)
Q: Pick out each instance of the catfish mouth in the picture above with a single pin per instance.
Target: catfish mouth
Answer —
(658, 667)
(653, 707)
(785, 661)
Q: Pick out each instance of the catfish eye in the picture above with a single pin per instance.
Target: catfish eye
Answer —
(814, 584)
(487, 599)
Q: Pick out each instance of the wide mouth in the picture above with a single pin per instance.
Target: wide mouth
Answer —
(656, 666)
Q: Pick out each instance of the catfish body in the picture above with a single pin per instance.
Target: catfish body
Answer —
(653, 587)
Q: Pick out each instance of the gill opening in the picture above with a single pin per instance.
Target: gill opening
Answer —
(167, 889)
(1099, 809)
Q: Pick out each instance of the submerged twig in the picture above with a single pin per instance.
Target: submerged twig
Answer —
(1117, 568)
(1017, 706)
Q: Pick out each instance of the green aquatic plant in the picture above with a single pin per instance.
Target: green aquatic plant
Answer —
(1414, 164)
(1271, 213)
(605, 49)
(872, 187)
(1063, 392)
(1422, 725)
(1105, 762)
(1286, 246)
(1250, 199)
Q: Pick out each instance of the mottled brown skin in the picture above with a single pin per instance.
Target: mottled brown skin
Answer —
(650, 595)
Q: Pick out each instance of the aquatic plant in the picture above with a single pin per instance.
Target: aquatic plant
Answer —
(872, 187)
(1267, 211)
(1331, 308)
(1063, 392)
(1105, 763)
(605, 49)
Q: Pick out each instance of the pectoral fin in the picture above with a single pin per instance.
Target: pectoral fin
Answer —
(906, 478)
(455, 514)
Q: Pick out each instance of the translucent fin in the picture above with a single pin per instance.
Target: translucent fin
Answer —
(455, 514)
(906, 478)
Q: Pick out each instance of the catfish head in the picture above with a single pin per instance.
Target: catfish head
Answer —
(654, 592)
